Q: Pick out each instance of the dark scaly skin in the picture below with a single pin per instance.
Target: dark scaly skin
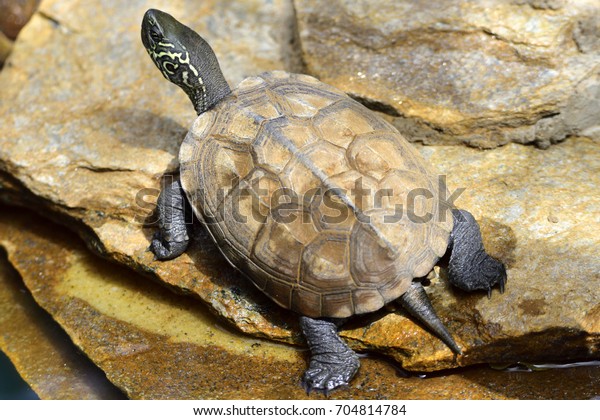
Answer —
(187, 60)
(184, 58)
(172, 238)
(416, 303)
(332, 362)
(470, 267)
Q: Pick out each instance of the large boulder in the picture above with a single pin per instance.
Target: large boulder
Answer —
(483, 73)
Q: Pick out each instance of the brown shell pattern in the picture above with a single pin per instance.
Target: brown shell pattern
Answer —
(323, 204)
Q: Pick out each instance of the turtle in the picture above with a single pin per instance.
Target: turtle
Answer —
(322, 204)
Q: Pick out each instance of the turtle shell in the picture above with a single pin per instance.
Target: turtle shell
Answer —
(321, 203)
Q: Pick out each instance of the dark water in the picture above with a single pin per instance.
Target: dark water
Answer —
(530, 367)
(12, 386)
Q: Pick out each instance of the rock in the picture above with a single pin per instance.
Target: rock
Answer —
(154, 344)
(94, 138)
(41, 351)
(481, 73)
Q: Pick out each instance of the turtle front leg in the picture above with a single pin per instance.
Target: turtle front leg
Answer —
(332, 362)
(470, 267)
(172, 238)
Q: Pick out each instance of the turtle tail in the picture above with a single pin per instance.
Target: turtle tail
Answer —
(416, 303)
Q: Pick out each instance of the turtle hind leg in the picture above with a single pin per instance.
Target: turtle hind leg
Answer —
(172, 238)
(469, 266)
(332, 363)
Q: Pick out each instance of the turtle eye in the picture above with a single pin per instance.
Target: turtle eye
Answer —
(155, 35)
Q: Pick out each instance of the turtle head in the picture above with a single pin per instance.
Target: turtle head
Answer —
(184, 58)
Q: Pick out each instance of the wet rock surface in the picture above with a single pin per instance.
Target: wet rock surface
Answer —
(153, 343)
(482, 73)
(86, 141)
(41, 351)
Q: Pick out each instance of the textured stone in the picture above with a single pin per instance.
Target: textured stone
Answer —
(87, 139)
(155, 344)
(41, 351)
(484, 73)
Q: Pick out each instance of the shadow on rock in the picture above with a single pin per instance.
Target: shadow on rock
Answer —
(140, 128)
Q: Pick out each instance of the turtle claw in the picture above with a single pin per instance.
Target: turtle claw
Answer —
(165, 250)
(160, 251)
(332, 363)
(151, 249)
(501, 286)
(326, 376)
(501, 282)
